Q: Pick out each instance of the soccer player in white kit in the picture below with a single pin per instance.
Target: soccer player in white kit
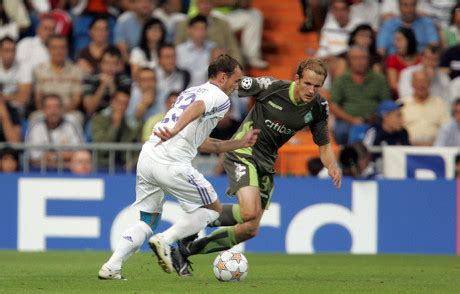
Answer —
(164, 166)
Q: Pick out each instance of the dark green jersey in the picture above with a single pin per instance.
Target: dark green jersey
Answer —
(279, 117)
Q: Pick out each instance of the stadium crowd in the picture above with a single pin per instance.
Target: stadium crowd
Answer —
(78, 71)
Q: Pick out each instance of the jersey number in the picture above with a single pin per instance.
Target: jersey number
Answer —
(181, 104)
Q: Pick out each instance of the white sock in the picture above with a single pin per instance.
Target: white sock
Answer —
(129, 242)
(191, 223)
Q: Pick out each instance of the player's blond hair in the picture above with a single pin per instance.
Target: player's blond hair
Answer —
(316, 65)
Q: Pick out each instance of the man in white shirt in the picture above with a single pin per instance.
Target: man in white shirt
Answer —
(15, 78)
(439, 80)
(33, 50)
(194, 54)
(164, 166)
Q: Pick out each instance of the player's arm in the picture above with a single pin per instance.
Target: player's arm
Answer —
(327, 157)
(191, 113)
(212, 145)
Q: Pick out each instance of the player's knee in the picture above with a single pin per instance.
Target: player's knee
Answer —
(249, 215)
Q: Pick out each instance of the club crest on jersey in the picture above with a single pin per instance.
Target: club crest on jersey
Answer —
(308, 117)
(240, 170)
(246, 83)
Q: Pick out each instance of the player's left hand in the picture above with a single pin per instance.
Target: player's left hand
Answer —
(336, 174)
(250, 137)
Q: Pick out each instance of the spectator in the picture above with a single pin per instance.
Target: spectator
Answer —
(10, 123)
(81, 163)
(8, 27)
(169, 12)
(90, 56)
(15, 78)
(59, 76)
(146, 54)
(170, 78)
(356, 94)
(101, 86)
(9, 160)
(388, 130)
(355, 160)
(450, 61)
(423, 113)
(143, 102)
(244, 18)
(336, 32)
(17, 12)
(129, 25)
(368, 11)
(194, 55)
(54, 128)
(154, 119)
(313, 21)
(439, 79)
(423, 27)
(111, 126)
(32, 50)
(405, 55)
(451, 34)
(218, 30)
(449, 134)
(364, 36)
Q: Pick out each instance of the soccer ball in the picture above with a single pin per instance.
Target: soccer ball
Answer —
(230, 266)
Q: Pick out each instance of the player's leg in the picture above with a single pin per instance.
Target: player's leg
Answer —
(198, 199)
(227, 237)
(242, 175)
(149, 201)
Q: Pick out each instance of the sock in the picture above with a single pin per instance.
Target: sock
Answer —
(230, 216)
(220, 239)
(191, 223)
(130, 241)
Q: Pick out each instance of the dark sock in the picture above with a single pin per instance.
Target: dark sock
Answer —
(220, 239)
(230, 216)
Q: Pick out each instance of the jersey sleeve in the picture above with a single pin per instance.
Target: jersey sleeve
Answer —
(216, 105)
(319, 128)
(254, 86)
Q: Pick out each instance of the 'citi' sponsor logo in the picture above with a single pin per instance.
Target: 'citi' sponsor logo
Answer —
(279, 128)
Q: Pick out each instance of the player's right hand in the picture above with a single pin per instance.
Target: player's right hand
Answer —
(164, 134)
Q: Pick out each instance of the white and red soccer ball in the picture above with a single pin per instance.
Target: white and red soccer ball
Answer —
(230, 266)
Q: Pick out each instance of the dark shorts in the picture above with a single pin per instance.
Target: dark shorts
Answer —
(242, 172)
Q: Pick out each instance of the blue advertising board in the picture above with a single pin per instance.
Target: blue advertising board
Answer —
(306, 215)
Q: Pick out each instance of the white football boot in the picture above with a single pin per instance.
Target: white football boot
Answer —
(162, 251)
(106, 273)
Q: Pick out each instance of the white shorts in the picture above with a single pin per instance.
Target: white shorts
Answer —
(185, 183)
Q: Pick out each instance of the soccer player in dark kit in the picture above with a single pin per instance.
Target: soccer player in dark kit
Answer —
(282, 108)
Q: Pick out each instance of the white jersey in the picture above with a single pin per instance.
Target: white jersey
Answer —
(183, 147)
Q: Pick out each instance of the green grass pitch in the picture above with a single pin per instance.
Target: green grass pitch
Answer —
(76, 272)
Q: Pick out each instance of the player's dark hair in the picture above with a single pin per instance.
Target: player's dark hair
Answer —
(316, 65)
(224, 63)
